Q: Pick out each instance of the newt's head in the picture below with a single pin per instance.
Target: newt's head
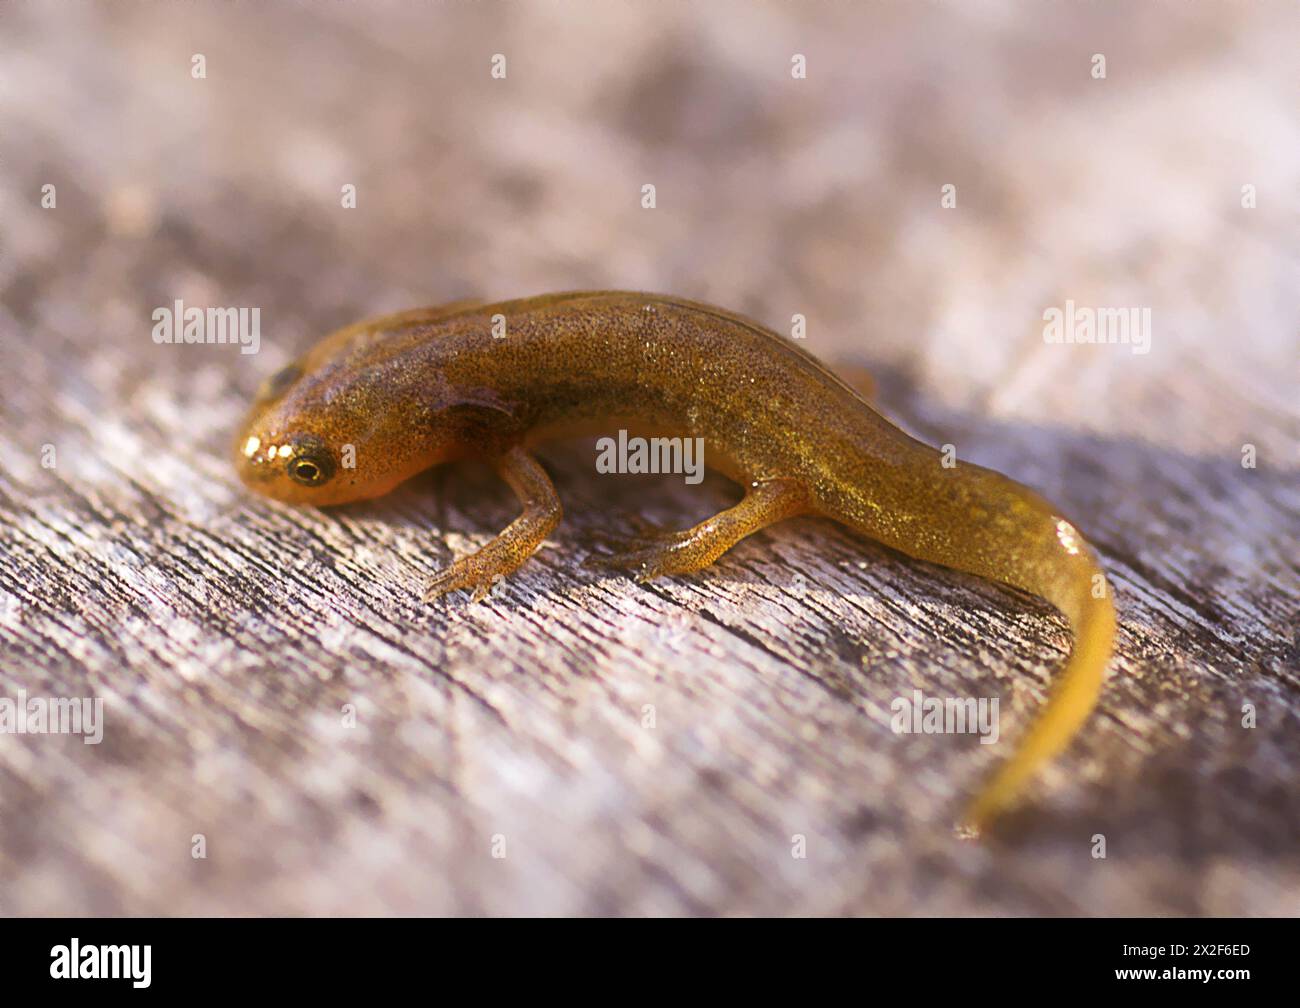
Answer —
(302, 444)
(344, 423)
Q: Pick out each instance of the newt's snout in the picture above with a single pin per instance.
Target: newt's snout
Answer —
(296, 468)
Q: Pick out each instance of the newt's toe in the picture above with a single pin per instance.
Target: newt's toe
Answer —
(661, 554)
(461, 574)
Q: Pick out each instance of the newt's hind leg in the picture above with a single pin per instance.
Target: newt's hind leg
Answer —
(765, 503)
(520, 539)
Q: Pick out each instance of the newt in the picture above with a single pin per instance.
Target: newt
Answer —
(377, 402)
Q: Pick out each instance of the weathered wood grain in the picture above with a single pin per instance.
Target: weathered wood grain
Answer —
(645, 749)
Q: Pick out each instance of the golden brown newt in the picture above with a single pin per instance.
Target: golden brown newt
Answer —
(378, 402)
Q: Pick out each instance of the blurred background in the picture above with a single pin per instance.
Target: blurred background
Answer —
(1169, 183)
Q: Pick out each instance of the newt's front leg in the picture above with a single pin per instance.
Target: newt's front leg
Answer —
(765, 503)
(520, 539)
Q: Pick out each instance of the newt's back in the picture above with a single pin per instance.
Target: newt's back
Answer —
(575, 361)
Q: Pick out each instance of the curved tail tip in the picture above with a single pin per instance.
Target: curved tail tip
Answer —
(974, 822)
(991, 803)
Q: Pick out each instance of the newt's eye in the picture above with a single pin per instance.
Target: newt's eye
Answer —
(279, 383)
(310, 468)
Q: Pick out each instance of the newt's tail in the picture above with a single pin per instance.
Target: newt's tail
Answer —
(1081, 592)
(976, 520)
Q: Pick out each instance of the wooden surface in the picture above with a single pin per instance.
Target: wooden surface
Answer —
(227, 635)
